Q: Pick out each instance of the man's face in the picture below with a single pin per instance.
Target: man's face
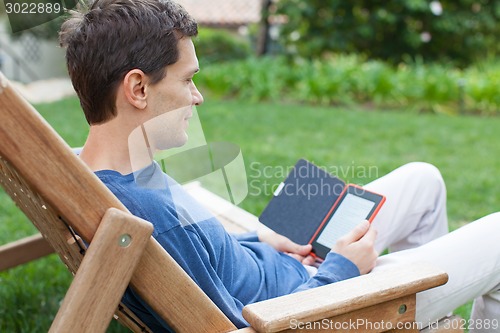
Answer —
(171, 101)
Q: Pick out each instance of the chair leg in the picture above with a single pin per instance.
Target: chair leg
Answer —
(104, 274)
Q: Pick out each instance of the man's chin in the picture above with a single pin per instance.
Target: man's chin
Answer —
(183, 141)
(179, 142)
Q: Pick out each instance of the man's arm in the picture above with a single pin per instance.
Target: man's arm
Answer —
(357, 246)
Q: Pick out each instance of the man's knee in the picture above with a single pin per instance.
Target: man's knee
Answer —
(425, 173)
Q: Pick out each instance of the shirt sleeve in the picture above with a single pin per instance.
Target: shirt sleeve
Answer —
(335, 268)
(246, 237)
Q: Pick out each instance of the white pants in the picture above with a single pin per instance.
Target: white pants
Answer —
(413, 226)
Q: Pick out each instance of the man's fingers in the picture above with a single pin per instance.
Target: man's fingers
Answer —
(357, 233)
(370, 236)
(302, 250)
(284, 244)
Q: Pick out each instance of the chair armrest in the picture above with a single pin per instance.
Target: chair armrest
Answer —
(345, 297)
(104, 273)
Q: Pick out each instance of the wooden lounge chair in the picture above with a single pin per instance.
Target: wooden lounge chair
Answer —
(122, 251)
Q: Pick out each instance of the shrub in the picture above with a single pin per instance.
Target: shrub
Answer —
(344, 79)
(216, 45)
(462, 31)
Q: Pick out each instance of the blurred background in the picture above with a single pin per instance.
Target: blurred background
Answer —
(438, 56)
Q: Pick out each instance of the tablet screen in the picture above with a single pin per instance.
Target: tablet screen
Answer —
(351, 212)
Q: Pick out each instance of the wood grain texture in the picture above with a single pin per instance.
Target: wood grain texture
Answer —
(104, 274)
(381, 317)
(342, 297)
(23, 251)
(56, 186)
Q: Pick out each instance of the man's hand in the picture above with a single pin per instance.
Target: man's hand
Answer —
(358, 247)
(284, 244)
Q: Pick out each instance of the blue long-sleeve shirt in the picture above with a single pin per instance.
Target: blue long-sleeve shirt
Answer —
(232, 270)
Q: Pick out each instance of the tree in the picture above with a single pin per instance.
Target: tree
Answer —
(458, 30)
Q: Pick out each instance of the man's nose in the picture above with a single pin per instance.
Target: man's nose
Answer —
(197, 97)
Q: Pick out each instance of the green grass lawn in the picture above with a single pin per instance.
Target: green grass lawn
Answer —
(272, 137)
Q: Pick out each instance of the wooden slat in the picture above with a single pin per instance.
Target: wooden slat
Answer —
(377, 318)
(76, 195)
(23, 250)
(104, 274)
(275, 315)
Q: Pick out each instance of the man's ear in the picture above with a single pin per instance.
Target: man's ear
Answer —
(134, 85)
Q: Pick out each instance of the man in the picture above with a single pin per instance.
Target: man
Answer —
(132, 64)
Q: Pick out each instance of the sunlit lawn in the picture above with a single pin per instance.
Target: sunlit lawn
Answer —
(272, 137)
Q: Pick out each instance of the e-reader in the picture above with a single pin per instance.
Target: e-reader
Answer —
(353, 206)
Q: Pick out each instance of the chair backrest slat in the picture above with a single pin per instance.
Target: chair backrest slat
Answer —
(58, 192)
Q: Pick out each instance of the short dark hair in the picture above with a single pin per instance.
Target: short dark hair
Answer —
(114, 37)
